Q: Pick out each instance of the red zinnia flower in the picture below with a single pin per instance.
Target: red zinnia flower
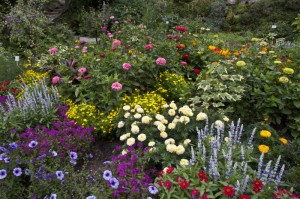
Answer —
(186, 56)
(228, 191)
(160, 183)
(168, 184)
(197, 71)
(244, 196)
(170, 169)
(184, 185)
(102, 55)
(181, 29)
(257, 186)
(203, 197)
(160, 173)
(180, 179)
(202, 175)
(194, 192)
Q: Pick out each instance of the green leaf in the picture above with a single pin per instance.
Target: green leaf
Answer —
(297, 103)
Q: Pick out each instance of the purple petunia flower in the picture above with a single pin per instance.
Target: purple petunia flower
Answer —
(41, 157)
(106, 163)
(107, 175)
(17, 171)
(91, 197)
(7, 160)
(114, 183)
(73, 162)
(54, 153)
(91, 155)
(152, 189)
(60, 175)
(27, 172)
(2, 156)
(73, 155)
(33, 144)
(53, 196)
(3, 174)
(13, 145)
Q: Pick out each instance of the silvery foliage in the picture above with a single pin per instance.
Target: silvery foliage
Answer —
(37, 98)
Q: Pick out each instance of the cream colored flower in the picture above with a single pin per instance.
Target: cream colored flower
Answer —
(201, 116)
(142, 137)
(130, 141)
(171, 112)
(165, 106)
(151, 143)
(180, 150)
(121, 124)
(219, 124)
(161, 128)
(176, 120)
(263, 43)
(124, 152)
(226, 139)
(171, 148)
(146, 120)
(169, 141)
(137, 116)
(163, 135)
(226, 119)
(137, 106)
(126, 108)
(186, 142)
(186, 110)
(184, 162)
(140, 110)
(159, 117)
(277, 62)
(135, 129)
(123, 137)
(164, 121)
(157, 123)
(152, 149)
(211, 139)
(184, 119)
(173, 106)
(171, 125)
(126, 115)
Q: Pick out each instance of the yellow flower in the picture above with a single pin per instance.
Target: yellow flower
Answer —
(288, 71)
(184, 162)
(240, 63)
(263, 148)
(182, 45)
(277, 62)
(211, 47)
(288, 60)
(283, 80)
(265, 133)
(283, 140)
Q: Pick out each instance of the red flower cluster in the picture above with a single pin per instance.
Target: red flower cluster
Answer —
(6, 87)
(202, 176)
(176, 38)
(244, 196)
(195, 192)
(257, 186)
(285, 193)
(184, 185)
(181, 29)
(170, 169)
(228, 190)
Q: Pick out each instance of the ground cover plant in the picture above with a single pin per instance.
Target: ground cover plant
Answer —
(175, 98)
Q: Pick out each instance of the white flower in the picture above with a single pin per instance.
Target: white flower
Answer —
(186, 142)
(184, 162)
(142, 137)
(163, 135)
(146, 119)
(137, 106)
(171, 148)
(226, 119)
(157, 123)
(137, 116)
(201, 116)
(165, 106)
(180, 150)
(186, 110)
(151, 143)
(169, 141)
(164, 121)
(184, 119)
(159, 117)
(130, 141)
(126, 108)
(123, 137)
(135, 129)
(161, 127)
(226, 139)
(173, 106)
(171, 125)
(124, 152)
(121, 124)
(219, 124)
(176, 120)
(127, 114)
(171, 112)
(152, 149)
(140, 110)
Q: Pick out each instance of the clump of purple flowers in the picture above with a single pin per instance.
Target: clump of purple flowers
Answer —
(62, 136)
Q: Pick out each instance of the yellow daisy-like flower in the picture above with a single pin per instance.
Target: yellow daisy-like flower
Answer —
(283, 140)
(211, 47)
(263, 148)
(265, 133)
(240, 63)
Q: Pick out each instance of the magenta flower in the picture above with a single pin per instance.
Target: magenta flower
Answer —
(82, 70)
(116, 86)
(84, 49)
(55, 79)
(109, 35)
(161, 61)
(148, 46)
(126, 66)
(183, 63)
(116, 43)
(104, 28)
(53, 50)
(112, 17)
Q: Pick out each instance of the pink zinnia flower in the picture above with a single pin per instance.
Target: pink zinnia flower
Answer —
(84, 49)
(116, 86)
(79, 78)
(112, 17)
(82, 70)
(104, 28)
(148, 46)
(183, 63)
(77, 47)
(109, 35)
(116, 43)
(87, 77)
(161, 61)
(55, 79)
(126, 66)
(53, 50)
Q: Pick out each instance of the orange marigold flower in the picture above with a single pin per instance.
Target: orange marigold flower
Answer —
(264, 49)
(288, 60)
(211, 47)
(236, 53)
(182, 45)
(283, 140)
(263, 148)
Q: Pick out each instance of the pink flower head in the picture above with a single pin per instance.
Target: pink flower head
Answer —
(161, 61)
(82, 70)
(104, 28)
(126, 66)
(109, 35)
(112, 17)
(77, 47)
(87, 77)
(116, 43)
(53, 50)
(148, 46)
(79, 78)
(116, 86)
(180, 29)
(116, 22)
(183, 63)
(84, 49)
(55, 80)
